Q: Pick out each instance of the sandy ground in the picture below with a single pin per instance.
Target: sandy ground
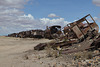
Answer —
(12, 49)
(19, 52)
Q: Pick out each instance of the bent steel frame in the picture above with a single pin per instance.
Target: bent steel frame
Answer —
(76, 27)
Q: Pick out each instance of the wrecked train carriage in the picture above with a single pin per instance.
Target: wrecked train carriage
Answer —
(12, 35)
(37, 33)
(31, 34)
(81, 29)
(53, 32)
(21, 34)
(28, 34)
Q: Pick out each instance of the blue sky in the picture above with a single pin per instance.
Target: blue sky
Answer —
(69, 9)
(19, 15)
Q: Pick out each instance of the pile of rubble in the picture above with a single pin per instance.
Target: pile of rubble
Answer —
(75, 45)
(80, 41)
(80, 32)
(84, 32)
(50, 33)
(77, 30)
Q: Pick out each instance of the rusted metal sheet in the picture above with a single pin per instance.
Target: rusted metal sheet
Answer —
(40, 46)
(77, 32)
(83, 46)
(54, 45)
(81, 28)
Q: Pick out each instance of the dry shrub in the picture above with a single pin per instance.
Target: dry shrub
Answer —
(77, 55)
(25, 57)
(83, 55)
(51, 52)
(88, 55)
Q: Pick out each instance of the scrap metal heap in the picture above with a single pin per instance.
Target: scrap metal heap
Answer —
(29, 34)
(82, 28)
(53, 32)
(84, 32)
(77, 30)
(77, 36)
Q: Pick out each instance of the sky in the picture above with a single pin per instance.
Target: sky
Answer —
(21, 15)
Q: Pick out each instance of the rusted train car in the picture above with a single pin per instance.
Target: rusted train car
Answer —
(28, 34)
(53, 32)
(82, 28)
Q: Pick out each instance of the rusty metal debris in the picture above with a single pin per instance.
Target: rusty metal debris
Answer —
(50, 33)
(30, 34)
(53, 32)
(83, 33)
(81, 29)
(78, 36)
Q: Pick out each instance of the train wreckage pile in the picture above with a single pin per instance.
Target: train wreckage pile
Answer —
(83, 34)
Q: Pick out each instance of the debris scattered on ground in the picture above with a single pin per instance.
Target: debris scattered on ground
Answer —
(77, 44)
(80, 43)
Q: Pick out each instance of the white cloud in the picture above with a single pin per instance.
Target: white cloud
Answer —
(95, 18)
(29, 16)
(50, 22)
(9, 13)
(13, 3)
(12, 19)
(96, 2)
(27, 22)
(52, 15)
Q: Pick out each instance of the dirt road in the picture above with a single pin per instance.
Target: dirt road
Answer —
(11, 48)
